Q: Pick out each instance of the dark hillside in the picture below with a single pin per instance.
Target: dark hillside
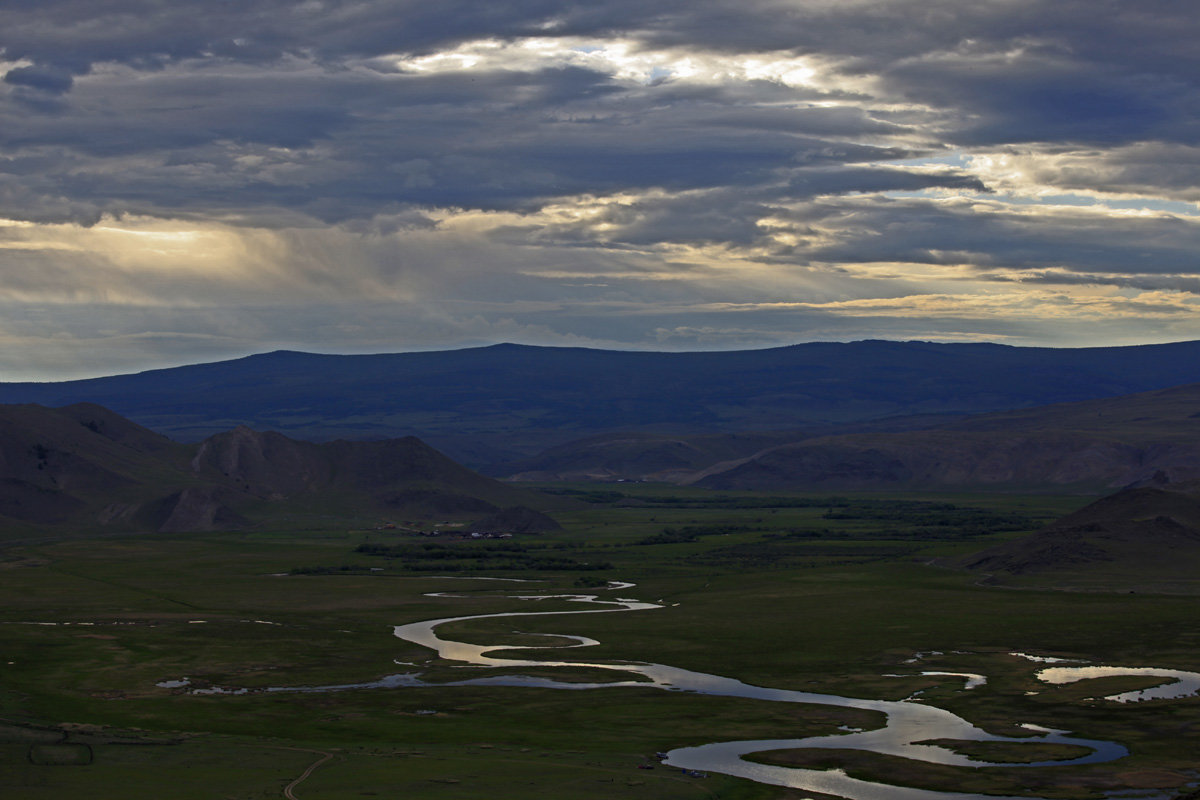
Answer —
(640, 456)
(1144, 538)
(83, 466)
(1087, 446)
(495, 404)
(391, 472)
(59, 464)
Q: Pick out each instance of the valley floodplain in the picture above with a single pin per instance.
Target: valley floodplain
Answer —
(109, 644)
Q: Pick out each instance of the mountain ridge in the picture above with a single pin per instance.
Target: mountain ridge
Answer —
(500, 403)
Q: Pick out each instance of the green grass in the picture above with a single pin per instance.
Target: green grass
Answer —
(835, 612)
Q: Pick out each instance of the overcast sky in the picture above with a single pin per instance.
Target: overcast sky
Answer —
(191, 181)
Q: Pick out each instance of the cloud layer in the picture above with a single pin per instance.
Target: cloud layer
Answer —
(193, 180)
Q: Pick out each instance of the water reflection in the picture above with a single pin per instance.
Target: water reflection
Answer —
(908, 728)
(908, 724)
(1179, 684)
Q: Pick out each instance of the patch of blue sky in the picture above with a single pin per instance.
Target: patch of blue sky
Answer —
(658, 74)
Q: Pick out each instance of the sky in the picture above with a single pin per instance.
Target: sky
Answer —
(192, 181)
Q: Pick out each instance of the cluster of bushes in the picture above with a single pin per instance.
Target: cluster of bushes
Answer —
(343, 569)
(587, 495)
(922, 512)
(690, 533)
(428, 550)
(468, 556)
(812, 533)
(600, 496)
(725, 501)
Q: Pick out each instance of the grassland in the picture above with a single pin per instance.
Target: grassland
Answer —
(806, 592)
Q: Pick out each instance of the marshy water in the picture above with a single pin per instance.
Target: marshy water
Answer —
(909, 724)
(1179, 683)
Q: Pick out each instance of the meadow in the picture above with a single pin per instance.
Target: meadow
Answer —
(833, 594)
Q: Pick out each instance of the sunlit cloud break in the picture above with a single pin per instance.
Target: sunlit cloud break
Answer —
(176, 187)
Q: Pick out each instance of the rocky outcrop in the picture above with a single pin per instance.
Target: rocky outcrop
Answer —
(265, 464)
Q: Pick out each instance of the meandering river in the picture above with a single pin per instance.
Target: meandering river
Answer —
(909, 724)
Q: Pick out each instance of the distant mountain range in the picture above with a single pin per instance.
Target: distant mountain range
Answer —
(87, 467)
(1089, 446)
(500, 404)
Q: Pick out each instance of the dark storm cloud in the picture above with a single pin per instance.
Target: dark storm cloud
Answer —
(207, 82)
(1074, 239)
(930, 48)
(1051, 99)
(1154, 283)
(150, 34)
(46, 79)
(1104, 71)
(600, 172)
(211, 138)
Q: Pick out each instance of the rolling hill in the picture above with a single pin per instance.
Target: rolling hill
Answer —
(498, 404)
(1139, 539)
(1089, 446)
(84, 466)
(1086, 446)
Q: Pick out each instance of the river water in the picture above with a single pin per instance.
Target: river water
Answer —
(908, 723)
